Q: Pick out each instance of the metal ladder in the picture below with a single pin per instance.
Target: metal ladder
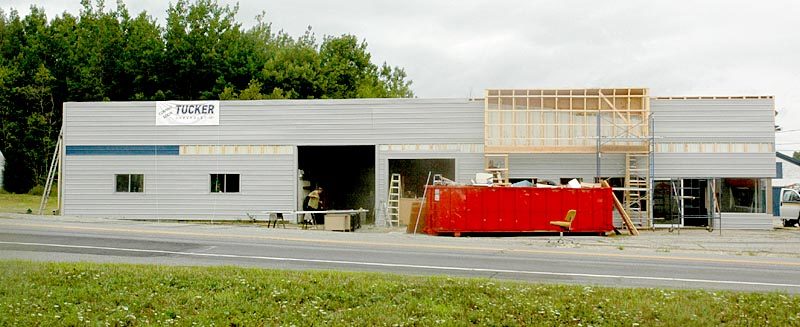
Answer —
(51, 174)
(393, 202)
(677, 195)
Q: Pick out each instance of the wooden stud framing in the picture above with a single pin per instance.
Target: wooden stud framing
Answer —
(565, 123)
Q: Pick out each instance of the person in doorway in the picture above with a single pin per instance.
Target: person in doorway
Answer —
(313, 202)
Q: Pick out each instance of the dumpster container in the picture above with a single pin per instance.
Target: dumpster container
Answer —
(480, 209)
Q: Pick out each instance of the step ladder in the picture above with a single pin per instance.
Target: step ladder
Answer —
(393, 202)
(53, 173)
(637, 187)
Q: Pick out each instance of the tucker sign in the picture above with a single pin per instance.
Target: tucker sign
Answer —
(187, 113)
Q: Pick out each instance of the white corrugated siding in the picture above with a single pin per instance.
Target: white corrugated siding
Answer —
(295, 122)
(561, 165)
(714, 121)
(736, 220)
(178, 186)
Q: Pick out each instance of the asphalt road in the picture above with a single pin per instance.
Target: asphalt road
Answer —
(489, 257)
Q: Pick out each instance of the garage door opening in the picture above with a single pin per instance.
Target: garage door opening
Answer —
(414, 172)
(346, 173)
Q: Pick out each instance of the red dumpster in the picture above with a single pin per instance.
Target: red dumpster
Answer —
(480, 209)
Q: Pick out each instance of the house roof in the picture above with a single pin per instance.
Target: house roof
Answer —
(788, 158)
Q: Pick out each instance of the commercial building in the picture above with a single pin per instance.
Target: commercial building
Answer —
(676, 160)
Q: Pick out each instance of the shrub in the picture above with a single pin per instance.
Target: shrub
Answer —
(37, 190)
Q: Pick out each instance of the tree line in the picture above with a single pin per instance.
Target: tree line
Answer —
(201, 52)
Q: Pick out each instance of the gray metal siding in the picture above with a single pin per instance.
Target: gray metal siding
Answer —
(177, 186)
(467, 164)
(730, 220)
(555, 166)
(746, 221)
(284, 122)
(714, 121)
(717, 120)
(709, 165)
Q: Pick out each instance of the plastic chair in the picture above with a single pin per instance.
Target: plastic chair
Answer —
(566, 224)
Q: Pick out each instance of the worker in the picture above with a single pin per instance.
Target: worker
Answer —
(313, 202)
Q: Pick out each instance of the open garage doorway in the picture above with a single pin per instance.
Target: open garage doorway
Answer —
(346, 174)
(414, 172)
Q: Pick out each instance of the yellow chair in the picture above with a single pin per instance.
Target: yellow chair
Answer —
(565, 224)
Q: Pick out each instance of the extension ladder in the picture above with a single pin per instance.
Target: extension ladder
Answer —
(52, 174)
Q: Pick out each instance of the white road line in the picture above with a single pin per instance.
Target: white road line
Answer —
(401, 265)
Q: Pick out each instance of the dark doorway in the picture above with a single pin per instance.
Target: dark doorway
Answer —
(666, 202)
(695, 202)
(414, 172)
(346, 174)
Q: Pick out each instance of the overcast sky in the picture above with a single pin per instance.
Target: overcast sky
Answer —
(460, 48)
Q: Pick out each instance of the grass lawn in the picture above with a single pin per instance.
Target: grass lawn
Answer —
(20, 203)
(111, 294)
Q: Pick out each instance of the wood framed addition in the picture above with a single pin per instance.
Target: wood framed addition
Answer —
(567, 121)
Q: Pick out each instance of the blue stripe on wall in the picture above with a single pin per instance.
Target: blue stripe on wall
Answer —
(123, 150)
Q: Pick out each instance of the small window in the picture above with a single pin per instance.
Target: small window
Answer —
(790, 196)
(224, 183)
(130, 183)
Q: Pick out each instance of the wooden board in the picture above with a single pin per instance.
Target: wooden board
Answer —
(625, 218)
(406, 213)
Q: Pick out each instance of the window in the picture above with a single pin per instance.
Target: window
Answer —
(224, 183)
(790, 196)
(130, 183)
(742, 195)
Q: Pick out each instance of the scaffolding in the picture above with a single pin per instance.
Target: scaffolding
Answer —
(596, 121)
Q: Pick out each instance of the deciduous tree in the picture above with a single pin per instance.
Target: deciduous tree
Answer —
(201, 53)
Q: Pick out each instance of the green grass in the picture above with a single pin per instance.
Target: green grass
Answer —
(20, 203)
(111, 294)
